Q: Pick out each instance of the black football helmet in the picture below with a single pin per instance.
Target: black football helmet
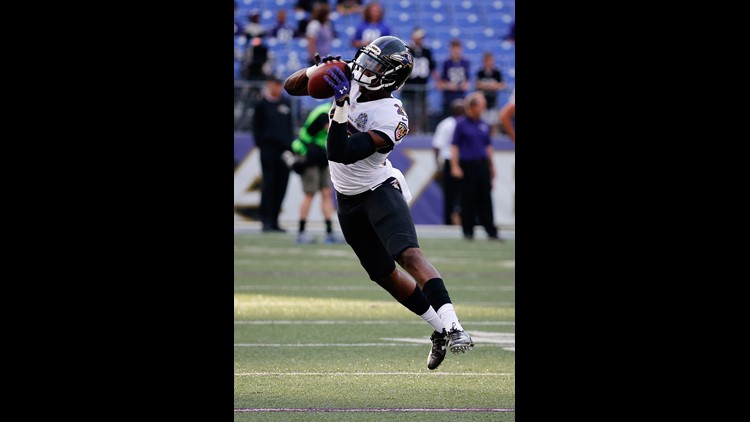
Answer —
(385, 63)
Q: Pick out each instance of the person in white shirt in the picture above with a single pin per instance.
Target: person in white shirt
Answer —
(441, 144)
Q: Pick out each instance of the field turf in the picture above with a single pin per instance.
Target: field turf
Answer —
(315, 339)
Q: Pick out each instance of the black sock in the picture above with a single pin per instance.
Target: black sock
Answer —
(436, 293)
(416, 302)
(301, 225)
(328, 227)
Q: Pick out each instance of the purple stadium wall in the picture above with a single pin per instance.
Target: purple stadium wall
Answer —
(414, 157)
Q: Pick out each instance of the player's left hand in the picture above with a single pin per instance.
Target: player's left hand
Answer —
(340, 84)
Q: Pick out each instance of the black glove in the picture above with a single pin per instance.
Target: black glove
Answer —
(327, 58)
(296, 163)
(317, 62)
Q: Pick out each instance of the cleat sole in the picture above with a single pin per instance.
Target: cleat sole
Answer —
(461, 349)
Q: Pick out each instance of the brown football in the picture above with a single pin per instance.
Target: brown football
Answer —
(317, 87)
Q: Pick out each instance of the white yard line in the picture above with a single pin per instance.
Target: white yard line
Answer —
(351, 322)
(322, 344)
(278, 303)
(371, 410)
(507, 341)
(364, 288)
(432, 231)
(346, 374)
(420, 344)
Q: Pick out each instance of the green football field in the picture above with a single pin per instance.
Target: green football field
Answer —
(315, 339)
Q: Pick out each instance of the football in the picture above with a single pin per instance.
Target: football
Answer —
(317, 86)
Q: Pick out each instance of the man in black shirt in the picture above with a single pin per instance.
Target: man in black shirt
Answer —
(490, 82)
(272, 131)
(414, 92)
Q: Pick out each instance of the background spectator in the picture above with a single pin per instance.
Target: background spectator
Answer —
(441, 144)
(256, 57)
(272, 131)
(239, 51)
(454, 77)
(310, 145)
(372, 25)
(349, 7)
(489, 82)
(308, 5)
(414, 92)
(253, 28)
(320, 33)
(282, 30)
(471, 162)
(237, 23)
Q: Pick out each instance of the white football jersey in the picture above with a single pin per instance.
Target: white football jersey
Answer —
(386, 115)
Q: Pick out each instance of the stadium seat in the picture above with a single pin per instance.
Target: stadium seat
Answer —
(467, 19)
(481, 25)
(437, 5)
(472, 6)
(401, 6)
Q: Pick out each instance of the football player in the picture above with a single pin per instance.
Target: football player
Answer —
(366, 123)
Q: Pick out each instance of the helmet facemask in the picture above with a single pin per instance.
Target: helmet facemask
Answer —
(372, 71)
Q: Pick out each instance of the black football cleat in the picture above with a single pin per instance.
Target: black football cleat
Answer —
(437, 353)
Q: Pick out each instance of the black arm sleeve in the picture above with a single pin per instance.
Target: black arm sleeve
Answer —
(318, 125)
(348, 150)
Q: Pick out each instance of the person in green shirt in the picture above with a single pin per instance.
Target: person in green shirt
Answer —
(310, 145)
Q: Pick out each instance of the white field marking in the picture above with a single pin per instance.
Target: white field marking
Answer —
(341, 344)
(269, 250)
(365, 287)
(284, 251)
(479, 337)
(345, 374)
(505, 340)
(452, 260)
(333, 252)
(321, 344)
(339, 253)
(461, 287)
(372, 410)
(309, 288)
(295, 303)
(335, 322)
(428, 231)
